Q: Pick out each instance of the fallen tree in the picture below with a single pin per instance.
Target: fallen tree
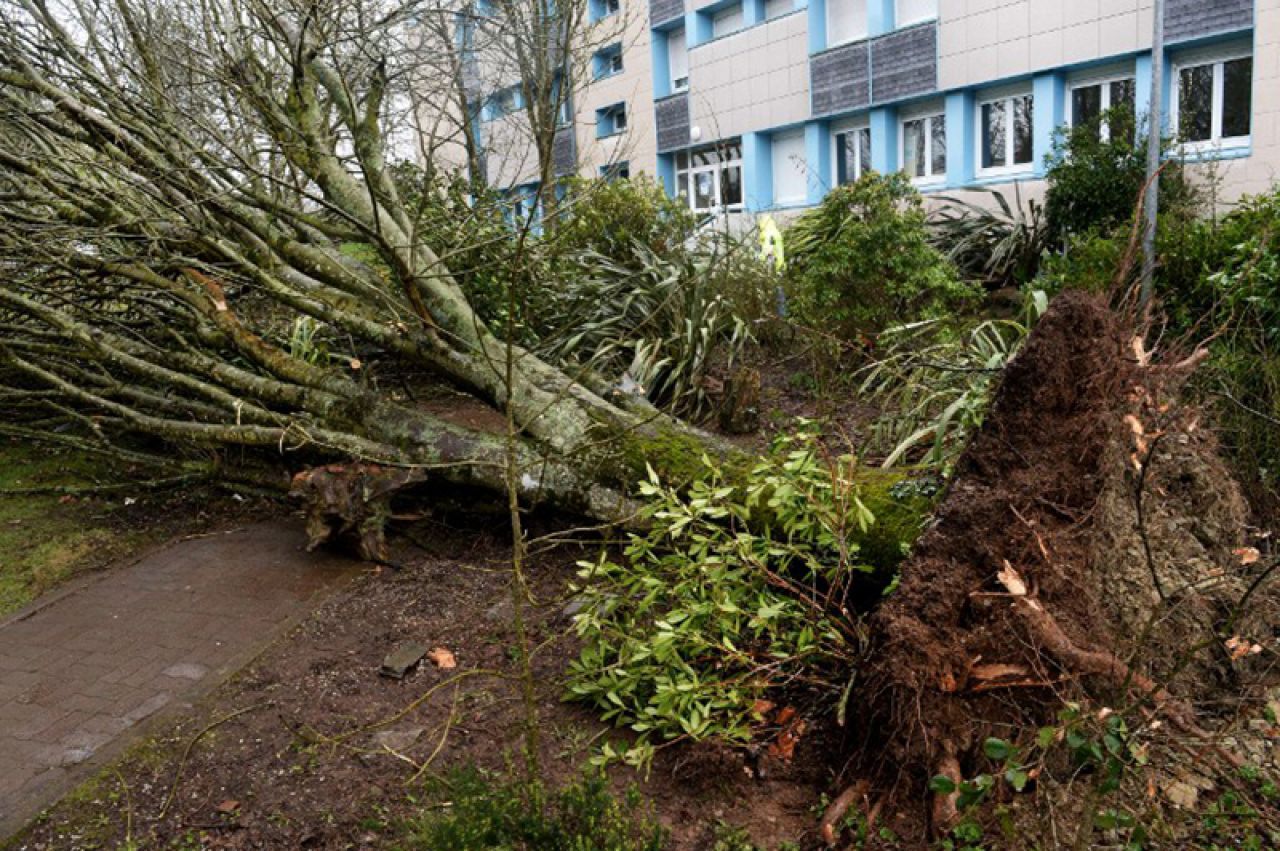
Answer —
(179, 183)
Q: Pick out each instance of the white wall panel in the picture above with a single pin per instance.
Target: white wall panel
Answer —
(790, 174)
(846, 21)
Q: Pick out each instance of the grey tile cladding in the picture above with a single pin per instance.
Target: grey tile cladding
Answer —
(673, 122)
(839, 79)
(661, 11)
(562, 152)
(1184, 19)
(905, 63)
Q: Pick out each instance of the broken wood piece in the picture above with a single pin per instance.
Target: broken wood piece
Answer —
(981, 687)
(402, 660)
(989, 672)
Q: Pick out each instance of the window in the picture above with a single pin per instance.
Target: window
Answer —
(599, 9)
(465, 32)
(504, 102)
(678, 60)
(1005, 131)
(915, 11)
(727, 21)
(924, 147)
(789, 170)
(853, 154)
(1090, 101)
(611, 120)
(846, 21)
(710, 178)
(777, 8)
(564, 102)
(615, 171)
(607, 61)
(1215, 102)
(523, 207)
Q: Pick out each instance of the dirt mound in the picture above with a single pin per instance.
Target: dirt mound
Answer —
(1043, 569)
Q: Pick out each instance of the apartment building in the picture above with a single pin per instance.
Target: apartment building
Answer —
(603, 92)
(765, 105)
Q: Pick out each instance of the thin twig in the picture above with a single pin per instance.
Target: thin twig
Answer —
(186, 753)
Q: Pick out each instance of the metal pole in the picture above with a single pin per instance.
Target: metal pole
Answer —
(1155, 119)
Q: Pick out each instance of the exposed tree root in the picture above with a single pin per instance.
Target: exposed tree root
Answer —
(1102, 663)
(835, 812)
(946, 811)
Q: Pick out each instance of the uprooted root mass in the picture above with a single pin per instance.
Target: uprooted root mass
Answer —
(1050, 555)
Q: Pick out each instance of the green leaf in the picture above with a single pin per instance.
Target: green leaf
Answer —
(942, 784)
(1017, 778)
(997, 749)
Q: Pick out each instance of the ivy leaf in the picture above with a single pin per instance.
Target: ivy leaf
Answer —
(1017, 778)
(997, 749)
(942, 784)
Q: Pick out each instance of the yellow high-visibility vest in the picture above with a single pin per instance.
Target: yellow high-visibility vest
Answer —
(771, 249)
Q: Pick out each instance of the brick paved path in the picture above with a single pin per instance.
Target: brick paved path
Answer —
(79, 672)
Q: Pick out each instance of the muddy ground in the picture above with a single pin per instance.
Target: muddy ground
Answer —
(309, 760)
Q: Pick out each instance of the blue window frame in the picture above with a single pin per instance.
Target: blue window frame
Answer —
(607, 61)
(615, 171)
(522, 208)
(503, 102)
(600, 9)
(611, 120)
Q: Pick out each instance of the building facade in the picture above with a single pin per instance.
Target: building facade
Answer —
(765, 105)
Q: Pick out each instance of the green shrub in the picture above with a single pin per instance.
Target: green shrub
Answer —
(996, 242)
(606, 217)
(738, 591)
(748, 282)
(1088, 261)
(484, 815)
(1188, 250)
(653, 323)
(1095, 178)
(934, 381)
(862, 259)
(1244, 374)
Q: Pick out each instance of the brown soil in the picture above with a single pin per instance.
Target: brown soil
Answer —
(802, 380)
(1048, 488)
(305, 770)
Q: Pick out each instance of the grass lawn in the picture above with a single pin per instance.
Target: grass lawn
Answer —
(46, 538)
